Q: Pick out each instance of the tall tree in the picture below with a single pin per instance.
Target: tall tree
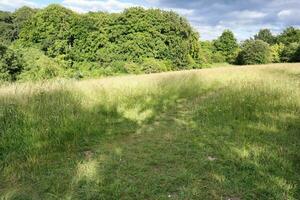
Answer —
(266, 36)
(133, 35)
(21, 16)
(11, 64)
(254, 52)
(6, 27)
(227, 45)
(289, 35)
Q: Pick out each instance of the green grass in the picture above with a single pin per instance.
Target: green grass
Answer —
(223, 133)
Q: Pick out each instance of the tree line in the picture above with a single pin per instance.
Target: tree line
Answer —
(263, 48)
(57, 42)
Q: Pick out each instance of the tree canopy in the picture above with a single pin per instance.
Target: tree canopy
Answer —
(266, 36)
(289, 35)
(227, 45)
(56, 41)
(133, 35)
(254, 52)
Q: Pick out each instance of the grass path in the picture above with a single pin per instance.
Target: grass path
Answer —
(225, 133)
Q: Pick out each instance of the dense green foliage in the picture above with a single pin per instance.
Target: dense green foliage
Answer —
(11, 64)
(290, 52)
(93, 44)
(276, 51)
(6, 27)
(133, 35)
(209, 54)
(12, 23)
(254, 52)
(289, 35)
(281, 48)
(58, 42)
(227, 45)
(266, 36)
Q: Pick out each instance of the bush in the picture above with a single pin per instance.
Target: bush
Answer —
(90, 69)
(11, 64)
(134, 34)
(289, 52)
(254, 52)
(276, 51)
(206, 52)
(266, 36)
(297, 55)
(227, 45)
(218, 57)
(38, 66)
(151, 65)
(132, 68)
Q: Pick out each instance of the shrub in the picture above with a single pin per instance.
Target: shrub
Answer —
(11, 64)
(151, 65)
(38, 66)
(276, 51)
(118, 67)
(89, 69)
(218, 57)
(134, 34)
(289, 35)
(289, 52)
(266, 36)
(254, 52)
(206, 52)
(227, 45)
(297, 55)
(132, 68)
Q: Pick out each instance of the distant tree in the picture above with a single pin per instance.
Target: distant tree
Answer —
(6, 27)
(11, 64)
(3, 50)
(20, 17)
(50, 28)
(289, 35)
(133, 35)
(227, 45)
(254, 52)
(206, 52)
(266, 36)
(290, 52)
(297, 55)
(277, 50)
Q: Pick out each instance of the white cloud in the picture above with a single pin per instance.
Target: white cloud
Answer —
(93, 5)
(208, 32)
(248, 14)
(181, 11)
(289, 16)
(285, 13)
(11, 5)
(152, 1)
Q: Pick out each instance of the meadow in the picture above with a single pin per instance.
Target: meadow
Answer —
(221, 133)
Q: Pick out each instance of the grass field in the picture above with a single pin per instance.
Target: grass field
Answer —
(222, 133)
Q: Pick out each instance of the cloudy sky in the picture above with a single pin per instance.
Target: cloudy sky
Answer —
(209, 17)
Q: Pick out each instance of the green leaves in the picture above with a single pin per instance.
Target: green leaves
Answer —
(254, 52)
(133, 35)
(227, 45)
(266, 36)
(11, 64)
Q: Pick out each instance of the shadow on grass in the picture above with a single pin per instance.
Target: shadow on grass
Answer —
(49, 139)
(43, 138)
(234, 143)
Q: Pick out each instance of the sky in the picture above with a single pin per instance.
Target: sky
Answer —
(209, 17)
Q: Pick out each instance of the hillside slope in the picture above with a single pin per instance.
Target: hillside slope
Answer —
(223, 133)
